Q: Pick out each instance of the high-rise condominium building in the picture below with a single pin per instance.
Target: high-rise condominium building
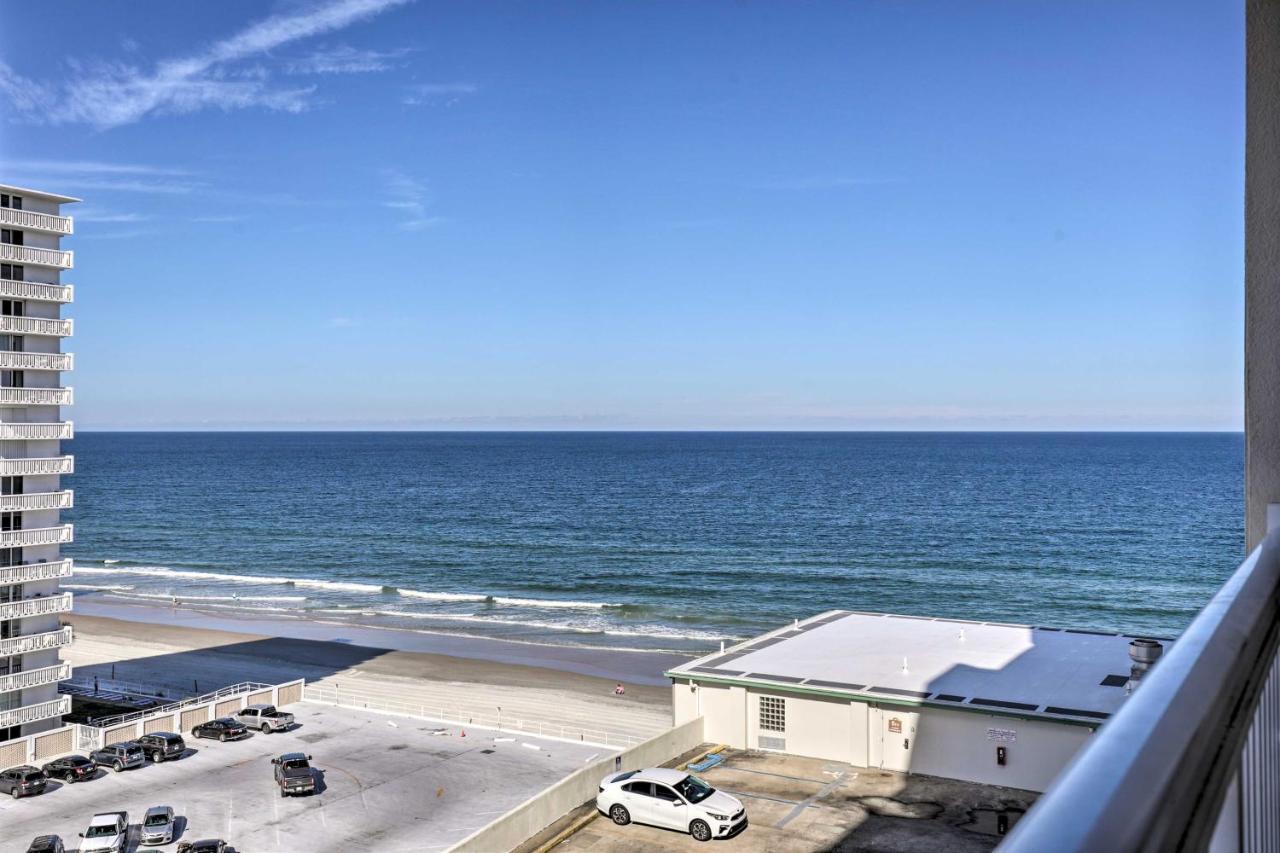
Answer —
(31, 460)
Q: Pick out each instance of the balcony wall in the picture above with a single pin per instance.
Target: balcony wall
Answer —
(29, 607)
(60, 535)
(32, 572)
(36, 221)
(37, 642)
(35, 396)
(35, 326)
(35, 467)
(35, 255)
(36, 360)
(37, 500)
(35, 677)
(36, 713)
(36, 291)
(37, 432)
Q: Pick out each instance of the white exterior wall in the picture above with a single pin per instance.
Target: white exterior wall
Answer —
(942, 742)
(33, 484)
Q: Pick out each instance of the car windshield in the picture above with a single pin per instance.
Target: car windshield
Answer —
(694, 789)
(156, 820)
(100, 831)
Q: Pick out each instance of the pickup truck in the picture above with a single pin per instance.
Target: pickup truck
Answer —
(108, 832)
(294, 774)
(265, 718)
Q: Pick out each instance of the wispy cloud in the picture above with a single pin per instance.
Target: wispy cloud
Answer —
(81, 175)
(91, 167)
(438, 93)
(410, 198)
(110, 94)
(92, 214)
(342, 323)
(344, 59)
(218, 218)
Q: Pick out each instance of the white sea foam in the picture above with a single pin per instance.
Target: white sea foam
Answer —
(95, 588)
(181, 597)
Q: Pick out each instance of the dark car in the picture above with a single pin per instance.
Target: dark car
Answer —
(293, 774)
(119, 756)
(22, 781)
(205, 845)
(223, 728)
(71, 768)
(46, 844)
(162, 746)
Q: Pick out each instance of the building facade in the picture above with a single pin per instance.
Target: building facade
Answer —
(32, 394)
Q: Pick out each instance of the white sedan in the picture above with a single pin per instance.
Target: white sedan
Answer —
(671, 799)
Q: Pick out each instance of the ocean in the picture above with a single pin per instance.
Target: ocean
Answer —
(661, 541)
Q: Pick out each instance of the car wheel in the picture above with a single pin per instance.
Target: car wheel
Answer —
(70, 778)
(13, 792)
(156, 757)
(619, 815)
(265, 728)
(222, 738)
(117, 767)
(700, 830)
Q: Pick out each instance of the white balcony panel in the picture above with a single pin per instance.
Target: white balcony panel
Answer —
(36, 290)
(37, 500)
(29, 607)
(36, 642)
(32, 572)
(36, 221)
(35, 396)
(35, 326)
(35, 677)
(60, 535)
(36, 713)
(35, 466)
(35, 255)
(35, 360)
(37, 432)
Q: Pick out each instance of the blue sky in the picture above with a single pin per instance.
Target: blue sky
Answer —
(854, 215)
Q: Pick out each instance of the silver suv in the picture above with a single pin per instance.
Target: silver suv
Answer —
(265, 718)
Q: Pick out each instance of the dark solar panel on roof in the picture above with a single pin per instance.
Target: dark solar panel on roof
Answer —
(711, 670)
(1077, 712)
(764, 676)
(1115, 681)
(897, 691)
(949, 697)
(839, 685)
(1001, 703)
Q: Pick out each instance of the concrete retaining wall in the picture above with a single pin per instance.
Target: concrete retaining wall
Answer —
(539, 811)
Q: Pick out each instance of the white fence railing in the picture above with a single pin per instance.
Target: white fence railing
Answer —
(31, 572)
(36, 290)
(35, 713)
(36, 360)
(60, 535)
(35, 677)
(37, 465)
(56, 431)
(35, 255)
(35, 396)
(35, 326)
(36, 642)
(37, 221)
(29, 607)
(466, 717)
(37, 500)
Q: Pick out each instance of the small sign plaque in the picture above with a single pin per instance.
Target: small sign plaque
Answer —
(895, 725)
(1002, 735)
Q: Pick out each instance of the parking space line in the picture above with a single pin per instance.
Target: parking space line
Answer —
(800, 807)
(727, 766)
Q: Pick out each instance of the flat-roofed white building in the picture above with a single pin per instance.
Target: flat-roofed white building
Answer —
(32, 395)
(984, 702)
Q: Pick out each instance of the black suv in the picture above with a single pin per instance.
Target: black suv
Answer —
(46, 844)
(162, 746)
(293, 774)
(223, 728)
(22, 781)
(71, 768)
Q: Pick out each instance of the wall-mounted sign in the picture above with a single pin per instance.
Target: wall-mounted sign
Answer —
(895, 725)
(1004, 735)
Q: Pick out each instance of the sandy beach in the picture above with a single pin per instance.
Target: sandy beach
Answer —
(193, 651)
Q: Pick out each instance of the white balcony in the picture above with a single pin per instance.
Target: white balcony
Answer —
(60, 535)
(29, 607)
(36, 221)
(35, 360)
(36, 466)
(32, 572)
(37, 432)
(36, 713)
(35, 326)
(35, 677)
(35, 396)
(36, 291)
(35, 255)
(37, 500)
(36, 642)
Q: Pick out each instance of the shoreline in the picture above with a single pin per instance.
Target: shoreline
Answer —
(619, 665)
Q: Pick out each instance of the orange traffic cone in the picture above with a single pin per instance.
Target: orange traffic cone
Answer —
(464, 733)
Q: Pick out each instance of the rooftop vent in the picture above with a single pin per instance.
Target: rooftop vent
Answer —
(1144, 654)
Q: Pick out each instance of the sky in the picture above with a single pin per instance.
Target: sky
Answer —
(388, 214)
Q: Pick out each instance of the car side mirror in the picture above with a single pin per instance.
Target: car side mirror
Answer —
(308, 758)
(677, 803)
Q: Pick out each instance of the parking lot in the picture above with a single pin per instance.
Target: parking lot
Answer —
(385, 783)
(805, 804)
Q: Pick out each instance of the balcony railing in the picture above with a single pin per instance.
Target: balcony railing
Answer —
(35, 360)
(31, 572)
(37, 642)
(37, 432)
(35, 326)
(36, 713)
(1194, 754)
(60, 535)
(35, 255)
(37, 500)
(36, 221)
(36, 290)
(35, 396)
(29, 607)
(35, 677)
(36, 466)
